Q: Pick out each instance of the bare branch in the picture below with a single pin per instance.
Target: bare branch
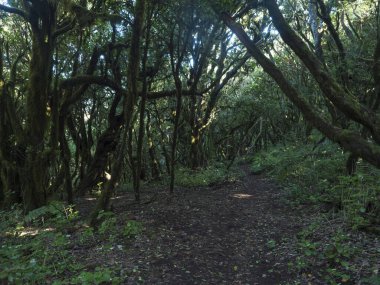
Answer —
(88, 79)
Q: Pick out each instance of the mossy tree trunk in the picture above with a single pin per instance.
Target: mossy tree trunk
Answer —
(42, 18)
(31, 137)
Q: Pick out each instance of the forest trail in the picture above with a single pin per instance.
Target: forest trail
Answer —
(236, 233)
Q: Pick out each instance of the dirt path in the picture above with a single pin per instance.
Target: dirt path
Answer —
(237, 233)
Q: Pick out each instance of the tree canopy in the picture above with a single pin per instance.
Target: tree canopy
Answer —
(86, 84)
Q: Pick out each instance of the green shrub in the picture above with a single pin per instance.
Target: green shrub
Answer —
(10, 220)
(99, 276)
(34, 250)
(213, 174)
(31, 260)
(56, 213)
(318, 176)
(332, 258)
(86, 235)
(132, 229)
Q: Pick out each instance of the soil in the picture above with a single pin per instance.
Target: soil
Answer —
(234, 233)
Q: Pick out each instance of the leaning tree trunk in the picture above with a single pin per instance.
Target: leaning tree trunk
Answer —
(107, 144)
(347, 139)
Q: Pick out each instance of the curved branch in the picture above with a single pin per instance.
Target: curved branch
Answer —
(343, 100)
(16, 11)
(347, 139)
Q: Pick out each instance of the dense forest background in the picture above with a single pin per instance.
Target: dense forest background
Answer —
(99, 97)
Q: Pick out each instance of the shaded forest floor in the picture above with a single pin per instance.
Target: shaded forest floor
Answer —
(234, 233)
(225, 234)
(242, 232)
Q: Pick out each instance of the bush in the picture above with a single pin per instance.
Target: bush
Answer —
(99, 276)
(214, 174)
(36, 250)
(317, 176)
(33, 255)
(333, 257)
(56, 213)
(132, 229)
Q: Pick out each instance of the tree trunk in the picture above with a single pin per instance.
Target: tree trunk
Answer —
(129, 105)
(36, 173)
(175, 135)
(155, 169)
(141, 134)
(107, 144)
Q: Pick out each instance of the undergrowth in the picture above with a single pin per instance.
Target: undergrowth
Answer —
(317, 176)
(314, 175)
(216, 173)
(37, 248)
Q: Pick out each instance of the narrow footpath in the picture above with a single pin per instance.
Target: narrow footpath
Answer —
(236, 233)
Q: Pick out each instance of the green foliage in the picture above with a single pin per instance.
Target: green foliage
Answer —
(299, 164)
(99, 276)
(373, 280)
(132, 229)
(111, 230)
(317, 177)
(11, 219)
(213, 174)
(332, 258)
(314, 174)
(108, 226)
(271, 244)
(358, 196)
(39, 252)
(86, 235)
(222, 5)
(35, 254)
(55, 213)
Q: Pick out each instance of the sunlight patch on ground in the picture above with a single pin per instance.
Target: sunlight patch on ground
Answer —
(34, 232)
(242, 196)
(94, 198)
(90, 199)
(117, 197)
